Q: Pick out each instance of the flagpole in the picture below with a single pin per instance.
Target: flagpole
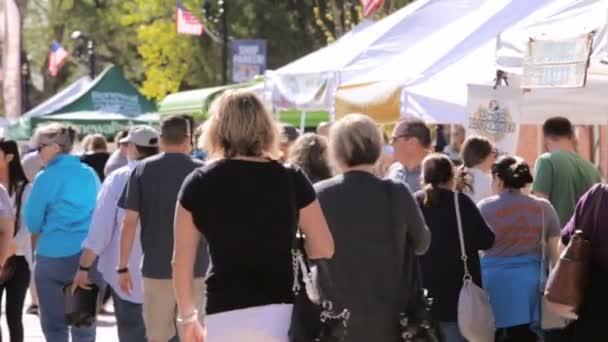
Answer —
(224, 41)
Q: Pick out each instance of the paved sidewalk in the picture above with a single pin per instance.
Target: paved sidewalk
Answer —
(106, 327)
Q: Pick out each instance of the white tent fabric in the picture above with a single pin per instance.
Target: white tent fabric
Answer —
(61, 99)
(568, 19)
(441, 96)
(317, 72)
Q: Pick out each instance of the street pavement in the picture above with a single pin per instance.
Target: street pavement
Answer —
(106, 327)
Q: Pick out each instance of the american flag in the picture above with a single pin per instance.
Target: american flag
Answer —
(370, 6)
(188, 23)
(57, 57)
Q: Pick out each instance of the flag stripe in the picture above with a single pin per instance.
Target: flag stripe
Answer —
(57, 57)
(188, 23)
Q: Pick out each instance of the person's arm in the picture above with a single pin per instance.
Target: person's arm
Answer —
(543, 179)
(319, 243)
(34, 211)
(482, 233)
(6, 237)
(130, 202)
(103, 220)
(127, 236)
(552, 231)
(186, 241)
(416, 227)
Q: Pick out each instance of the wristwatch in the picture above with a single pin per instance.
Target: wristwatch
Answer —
(122, 270)
(82, 268)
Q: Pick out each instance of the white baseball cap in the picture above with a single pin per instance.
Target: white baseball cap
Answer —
(142, 135)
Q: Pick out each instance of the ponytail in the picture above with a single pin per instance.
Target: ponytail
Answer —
(464, 179)
(431, 195)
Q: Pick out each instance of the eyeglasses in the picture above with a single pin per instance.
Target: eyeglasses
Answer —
(41, 146)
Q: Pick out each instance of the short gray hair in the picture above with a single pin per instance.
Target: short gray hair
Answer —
(56, 133)
(355, 140)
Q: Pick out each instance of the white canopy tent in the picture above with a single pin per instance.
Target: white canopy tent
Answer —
(435, 87)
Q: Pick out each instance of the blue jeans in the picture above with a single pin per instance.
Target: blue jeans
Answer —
(129, 320)
(450, 332)
(51, 275)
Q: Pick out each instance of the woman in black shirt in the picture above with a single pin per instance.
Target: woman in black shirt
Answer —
(442, 269)
(242, 204)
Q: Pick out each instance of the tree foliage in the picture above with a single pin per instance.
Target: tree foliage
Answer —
(140, 36)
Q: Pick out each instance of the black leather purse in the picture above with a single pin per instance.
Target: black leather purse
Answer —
(415, 321)
(314, 317)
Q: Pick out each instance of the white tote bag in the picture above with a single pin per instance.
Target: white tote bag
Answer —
(475, 317)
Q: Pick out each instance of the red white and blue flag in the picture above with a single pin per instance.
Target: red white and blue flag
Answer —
(370, 6)
(57, 57)
(188, 23)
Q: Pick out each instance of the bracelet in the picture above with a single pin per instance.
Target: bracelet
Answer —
(193, 317)
(122, 270)
(82, 268)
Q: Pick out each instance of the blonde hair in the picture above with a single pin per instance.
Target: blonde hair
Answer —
(355, 140)
(56, 133)
(240, 125)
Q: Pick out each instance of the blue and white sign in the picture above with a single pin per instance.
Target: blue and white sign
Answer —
(248, 59)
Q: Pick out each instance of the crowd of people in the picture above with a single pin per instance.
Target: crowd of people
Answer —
(192, 229)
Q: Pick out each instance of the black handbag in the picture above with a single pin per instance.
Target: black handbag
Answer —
(80, 306)
(415, 321)
(314, 317)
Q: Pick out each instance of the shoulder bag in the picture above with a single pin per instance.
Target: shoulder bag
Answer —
(314, 316)
(549, 319)
(475, 317)
(416, 323)
(569, 278)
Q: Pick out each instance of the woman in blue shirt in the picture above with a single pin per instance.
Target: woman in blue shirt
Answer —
(59, 209)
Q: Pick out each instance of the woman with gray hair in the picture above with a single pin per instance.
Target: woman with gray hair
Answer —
(366, 215)
(59, 210)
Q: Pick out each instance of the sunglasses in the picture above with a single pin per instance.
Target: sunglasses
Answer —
(41, 146)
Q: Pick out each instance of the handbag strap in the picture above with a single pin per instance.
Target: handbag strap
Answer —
(463, 252)
(543, 248)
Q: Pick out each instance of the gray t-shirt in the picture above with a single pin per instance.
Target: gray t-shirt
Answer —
(517, 222)
(398, 172)
(152, 191)
(115, 162)
(361, 212)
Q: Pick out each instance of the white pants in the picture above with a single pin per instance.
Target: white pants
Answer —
(268, 323)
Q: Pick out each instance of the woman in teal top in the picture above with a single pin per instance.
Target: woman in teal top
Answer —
(511, 269)
(59, 210)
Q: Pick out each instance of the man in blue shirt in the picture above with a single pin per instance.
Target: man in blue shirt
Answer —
(104, 238)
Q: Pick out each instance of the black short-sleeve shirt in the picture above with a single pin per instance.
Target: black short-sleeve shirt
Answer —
(244, 209)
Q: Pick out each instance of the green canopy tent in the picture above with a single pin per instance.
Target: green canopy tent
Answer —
(88, 122)
(197, 102)
(108, 95)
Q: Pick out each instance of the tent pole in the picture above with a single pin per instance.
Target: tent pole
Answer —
(302, 121)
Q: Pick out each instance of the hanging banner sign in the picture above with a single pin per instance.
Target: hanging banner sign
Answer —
(494, 114)
(248, 59)
(557, 63)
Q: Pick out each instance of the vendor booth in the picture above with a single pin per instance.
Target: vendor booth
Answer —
(108, 95)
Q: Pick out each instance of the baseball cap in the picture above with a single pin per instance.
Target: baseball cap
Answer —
(143, 135)
(413, 129)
